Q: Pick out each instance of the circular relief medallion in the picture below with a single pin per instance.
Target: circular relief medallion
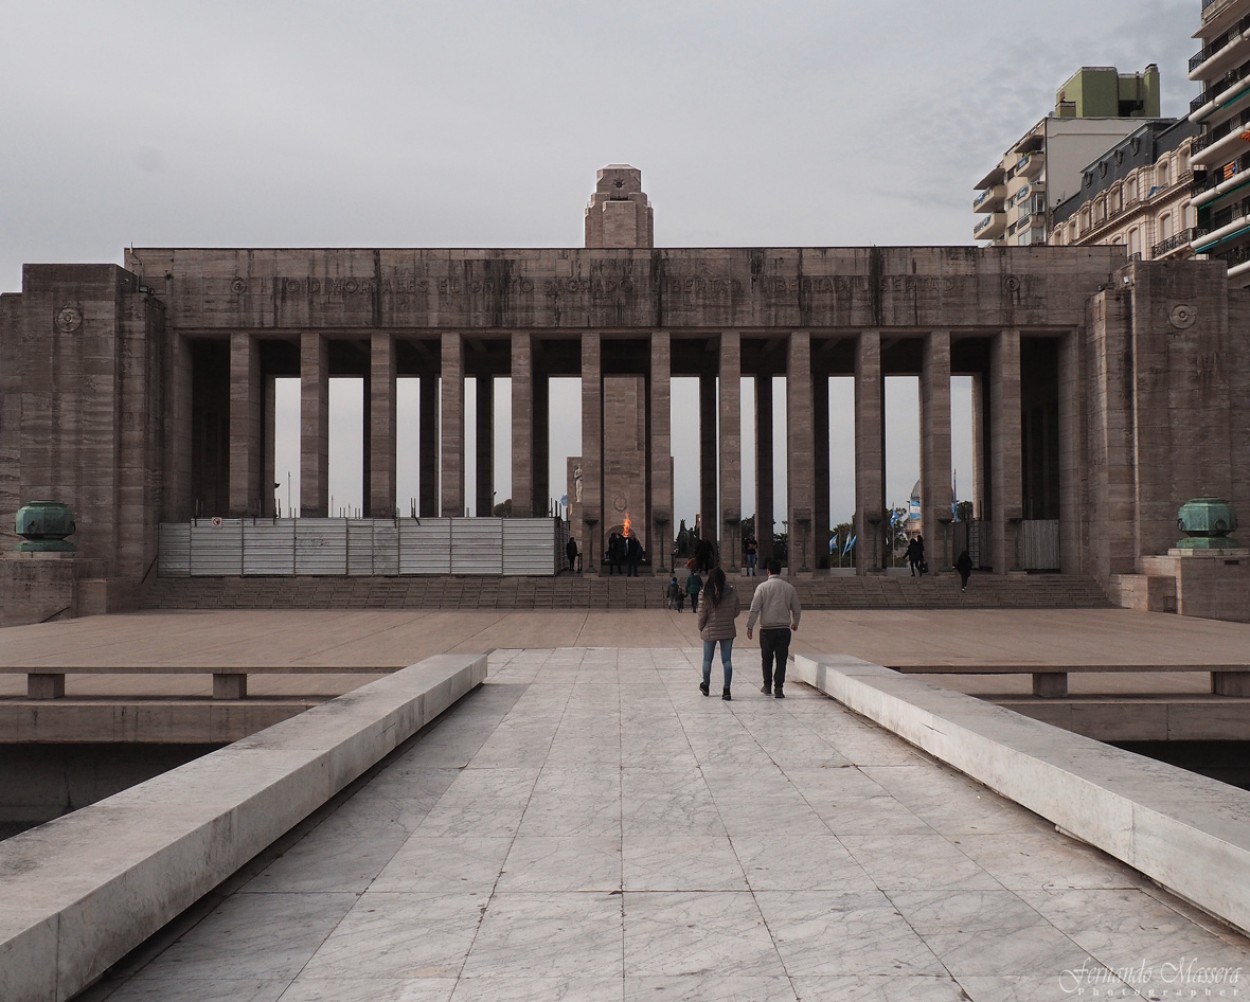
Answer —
(68, 319)
(620, 502)
(1183, 316)
(238, 287)
(1011, 283)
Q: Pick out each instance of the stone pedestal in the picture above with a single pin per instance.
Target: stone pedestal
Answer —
(1213, 584)
(35, 587)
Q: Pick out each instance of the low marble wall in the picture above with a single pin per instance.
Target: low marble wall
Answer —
(1188, 833)
(82, 891)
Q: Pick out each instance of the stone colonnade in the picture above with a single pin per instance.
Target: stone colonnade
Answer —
(805, 358)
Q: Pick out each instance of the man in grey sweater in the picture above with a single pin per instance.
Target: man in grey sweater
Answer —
(776, 606)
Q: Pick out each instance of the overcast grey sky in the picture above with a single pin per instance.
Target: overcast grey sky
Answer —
(822, 122)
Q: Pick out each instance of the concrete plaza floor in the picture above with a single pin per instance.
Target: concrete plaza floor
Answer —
(587, 826)
(399, 637)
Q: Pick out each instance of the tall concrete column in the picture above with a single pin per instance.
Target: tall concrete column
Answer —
(764, 496)
(1070, 401)
(179, 502)
(935, 448)
(541, 473)
(801, 495)
(484, 502)
(730, 449)
(381, 423)
(980, 445)
(708, 511)
(593, 521)
(269, 473)
(451, 495)
(1005, 476)
(245, 425)
(660, 451)
(871, 520)
(524, 499)
(428, 446)
(314, 427)
(821, 521)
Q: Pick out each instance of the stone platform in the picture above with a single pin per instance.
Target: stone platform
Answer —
(587, 826)
(895, 589)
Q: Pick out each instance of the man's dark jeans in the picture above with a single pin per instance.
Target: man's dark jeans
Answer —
(774, 644)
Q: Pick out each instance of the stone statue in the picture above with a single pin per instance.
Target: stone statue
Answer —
(577, 483)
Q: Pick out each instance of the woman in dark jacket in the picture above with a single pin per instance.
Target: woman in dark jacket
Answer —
(717, 612)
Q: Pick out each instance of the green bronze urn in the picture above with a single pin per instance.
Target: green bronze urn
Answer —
(1206, 523)
(43, 526)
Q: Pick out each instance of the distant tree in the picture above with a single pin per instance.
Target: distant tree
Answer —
(748, 529)
(781, 547)
(503, 509)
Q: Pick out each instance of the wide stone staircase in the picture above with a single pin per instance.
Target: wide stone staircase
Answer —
(576, 591)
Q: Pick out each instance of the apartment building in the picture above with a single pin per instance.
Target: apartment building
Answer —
(1136, 194)
(1221, 155)
(1094, 109)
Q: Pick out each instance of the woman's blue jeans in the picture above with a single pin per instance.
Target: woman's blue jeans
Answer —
(726, 653)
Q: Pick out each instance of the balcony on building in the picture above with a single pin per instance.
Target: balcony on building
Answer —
(1210, 153)
(990, 227)
(1220, 240)
(1213, 10)
(1031, 143)
(1239, 275)
(1177, 245)
(1212, 62)
(1227, 182)
(1029, 165)
(1219, 17)
(1218, 104)
(991, 199)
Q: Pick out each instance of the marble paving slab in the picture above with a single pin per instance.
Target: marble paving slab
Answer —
(588, 826)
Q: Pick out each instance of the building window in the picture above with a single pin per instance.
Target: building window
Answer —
(1130, 189)
(1084, 219)
(1161, 174)
(1116, 203)
(1134, 241)
(1165, 227)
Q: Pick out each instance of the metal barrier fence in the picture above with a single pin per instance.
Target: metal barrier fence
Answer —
(241, 547)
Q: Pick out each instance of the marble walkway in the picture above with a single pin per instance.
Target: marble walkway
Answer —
(587, 826)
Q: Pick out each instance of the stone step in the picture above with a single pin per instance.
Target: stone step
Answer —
(575, 591)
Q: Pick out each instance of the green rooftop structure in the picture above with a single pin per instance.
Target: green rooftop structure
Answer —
(1105, 92)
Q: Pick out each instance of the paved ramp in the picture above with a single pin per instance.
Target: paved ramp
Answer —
(587, 826)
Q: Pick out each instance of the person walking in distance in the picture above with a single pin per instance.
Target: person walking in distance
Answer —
(717, 613)
(570, 551)
(964, 565)
(694, 585)
(633, 554)
(915, 554)
(775, 606)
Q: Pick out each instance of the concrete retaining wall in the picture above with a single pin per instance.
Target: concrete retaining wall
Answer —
(1189, 833)
(82, 891)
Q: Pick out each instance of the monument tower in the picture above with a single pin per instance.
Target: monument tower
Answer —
(619, 217)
